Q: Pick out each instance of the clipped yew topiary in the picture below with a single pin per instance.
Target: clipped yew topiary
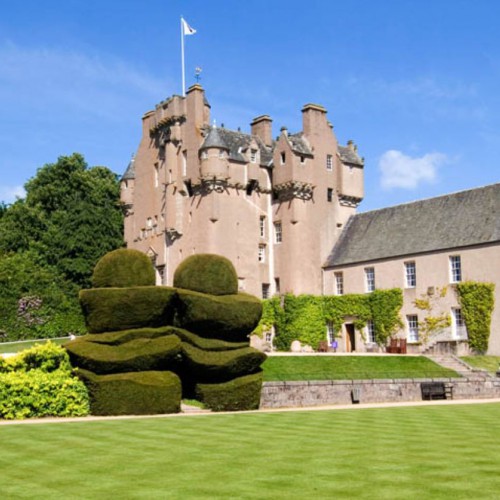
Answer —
(208, 344)
(220, 366)
(123, 268)
(141, 354)
(120, 337)
(137, 393)
(239, 394)
(112, 309)
(207, 273)
(225, 317)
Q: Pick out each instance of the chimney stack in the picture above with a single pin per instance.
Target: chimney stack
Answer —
(262, 127)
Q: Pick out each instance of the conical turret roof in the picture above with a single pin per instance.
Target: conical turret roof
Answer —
(214, 140)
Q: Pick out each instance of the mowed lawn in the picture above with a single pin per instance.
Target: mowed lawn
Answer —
(430, 452)
(288, 368)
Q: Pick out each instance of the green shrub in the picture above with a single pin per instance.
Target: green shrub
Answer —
(114, 309)
(207, 273)
(224, 317)
(121, 337)
(137, 393)
(239, 394)
(123, 268)
(208, 344)
(35, 394)
(141, 354)
(46, 357)
(220, 366)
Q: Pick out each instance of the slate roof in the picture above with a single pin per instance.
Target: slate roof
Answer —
(347, 155)
(299, 144)
(130, 172)
(236, 143)
(453, 221)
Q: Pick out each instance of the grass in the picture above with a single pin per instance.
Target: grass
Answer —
(290, 368)
(426, 452)
(22, 345)
(489, 363)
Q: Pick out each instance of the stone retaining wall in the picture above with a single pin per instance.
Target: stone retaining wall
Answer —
(331, 392)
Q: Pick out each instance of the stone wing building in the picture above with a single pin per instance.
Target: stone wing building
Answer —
(283, 211)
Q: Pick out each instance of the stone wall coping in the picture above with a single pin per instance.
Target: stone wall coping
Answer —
(293, 383)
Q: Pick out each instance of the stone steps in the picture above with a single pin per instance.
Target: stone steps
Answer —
(461, 367)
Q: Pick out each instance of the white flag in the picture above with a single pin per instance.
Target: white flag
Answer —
(187, 30)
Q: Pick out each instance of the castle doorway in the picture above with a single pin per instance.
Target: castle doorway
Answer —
(350, 338)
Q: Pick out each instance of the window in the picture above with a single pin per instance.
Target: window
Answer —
(282, 158)
(222, 155)
(370, 279)
(410, 275)
(329, 162)
(458, 324)
(184, 163)
(253, 155)
(302, 159)
(339, 283)
(265, 290)
(455, 269)
(241, 284)
(161, 274)
(262, 253)
(269, 337)
(204, 155)
(157, 176)
(412, 326)
(262, 227)
(278, 233)
(277, 285)
(330, 333)
(329, 194)
(370, 332)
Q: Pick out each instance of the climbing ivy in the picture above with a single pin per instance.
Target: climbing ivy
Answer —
(304, 317)
(433, 323)
(477, 302)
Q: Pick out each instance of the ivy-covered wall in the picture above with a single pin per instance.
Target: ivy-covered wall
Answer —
(304, 317)
(477, 302)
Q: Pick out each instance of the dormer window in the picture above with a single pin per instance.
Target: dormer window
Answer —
(282, 158)
(253, 156)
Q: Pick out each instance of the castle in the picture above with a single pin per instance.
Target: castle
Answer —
(283, 210)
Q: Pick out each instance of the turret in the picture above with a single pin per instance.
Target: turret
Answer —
(213, 157)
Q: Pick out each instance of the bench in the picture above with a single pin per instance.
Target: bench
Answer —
(436, 390)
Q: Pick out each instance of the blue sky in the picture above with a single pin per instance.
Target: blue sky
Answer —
(415, 83)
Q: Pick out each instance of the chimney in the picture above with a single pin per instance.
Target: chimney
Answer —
(262, 127)
(313, 119)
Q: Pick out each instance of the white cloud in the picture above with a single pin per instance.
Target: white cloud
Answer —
(402, 171)
(9, 194)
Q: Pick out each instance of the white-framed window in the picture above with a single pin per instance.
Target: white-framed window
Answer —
(157, 176)
(458, 324)
(370, 332)
(262, 227)
(204, 155)
(241, 284)
(370, 279)
(262, 253)
(339, 283)
(265, 290)
(412, 327)
(455, 269)
(329, 195)
(278, 232)
(253, 156)
(410, 275)
(222, 154)
(269, 337)
(329, 162)
(330, 333)
(161, 274)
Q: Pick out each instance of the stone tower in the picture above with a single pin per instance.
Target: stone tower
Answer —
(275, 208)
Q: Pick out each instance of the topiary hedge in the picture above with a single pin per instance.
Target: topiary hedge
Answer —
(141, 354)
(207, 273)
(225, 317)
(112, 309)
(136, 393)
(239, 394)
(121, 337)
(123, 268)
(208, 344)
(220, 366)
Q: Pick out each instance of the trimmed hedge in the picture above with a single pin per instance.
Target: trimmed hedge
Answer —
(35, 394)
(143, 393)
(208, 344)
(121, 337)
(224, 317)
(239, 394)
(220, 366)
(123, 268)
(113, 309)
(141, 354)
(207, 273)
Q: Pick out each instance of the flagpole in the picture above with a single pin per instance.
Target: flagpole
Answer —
(182, 61)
